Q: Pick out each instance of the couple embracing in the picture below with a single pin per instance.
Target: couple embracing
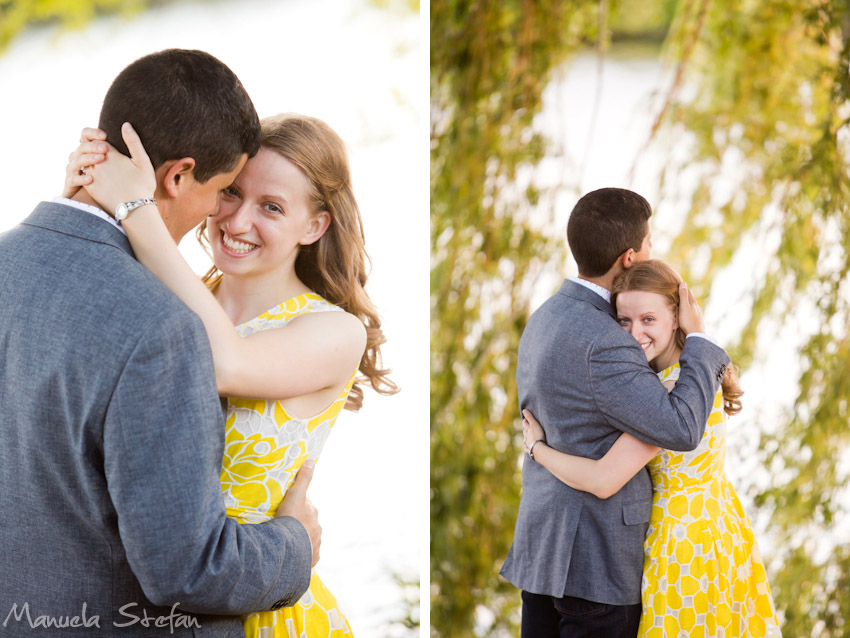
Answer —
(136, 501)
(627, 525)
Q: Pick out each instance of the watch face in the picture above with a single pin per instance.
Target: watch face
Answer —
(121, 212)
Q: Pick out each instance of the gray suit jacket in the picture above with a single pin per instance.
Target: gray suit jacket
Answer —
(586, 380)
(111, 442)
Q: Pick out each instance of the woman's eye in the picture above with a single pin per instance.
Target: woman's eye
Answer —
(274, 208)
(622, 321)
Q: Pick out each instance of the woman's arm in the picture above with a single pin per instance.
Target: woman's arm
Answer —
(602, 478)
(313, 352)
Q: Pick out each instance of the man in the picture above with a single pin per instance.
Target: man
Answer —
(112, 433)
(579, 559)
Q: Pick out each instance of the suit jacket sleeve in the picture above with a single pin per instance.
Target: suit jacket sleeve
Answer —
(163, 447)
(630, 397)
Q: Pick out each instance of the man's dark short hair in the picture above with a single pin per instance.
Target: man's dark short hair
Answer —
(183, 103)
(604, 224)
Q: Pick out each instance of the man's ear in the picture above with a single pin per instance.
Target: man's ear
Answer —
(172, 176)
(319, 223)
(627, 259)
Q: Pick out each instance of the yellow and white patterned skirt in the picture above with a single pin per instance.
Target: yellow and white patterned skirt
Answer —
(316, 614)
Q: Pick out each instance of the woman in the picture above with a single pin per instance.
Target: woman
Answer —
(702, 574)
(284, 308)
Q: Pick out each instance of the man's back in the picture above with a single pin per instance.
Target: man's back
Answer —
(111, 437)
(586, 380)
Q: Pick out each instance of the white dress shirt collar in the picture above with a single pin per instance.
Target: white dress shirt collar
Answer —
(599, 290)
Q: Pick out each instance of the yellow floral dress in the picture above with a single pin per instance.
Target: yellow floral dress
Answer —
(703, 575)
(264, 447)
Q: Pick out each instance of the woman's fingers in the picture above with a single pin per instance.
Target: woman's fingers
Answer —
(73, 183)
(93, 150)
(86, 154)
(690, 314)
(90, 148)
(134, 145)
(92, 134)
(531, 427)
(80, 179)
(88, 159)
(530, 417)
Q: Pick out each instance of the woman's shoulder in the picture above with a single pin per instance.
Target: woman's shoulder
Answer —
(303, 303)
(307, 308)
(311, 303)
(297, 306)
(312, 309)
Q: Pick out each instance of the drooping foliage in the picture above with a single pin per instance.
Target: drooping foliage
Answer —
(491, 237)
(16, 15)
(766, 97)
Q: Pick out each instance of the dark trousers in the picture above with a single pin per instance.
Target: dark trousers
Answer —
(568, 617)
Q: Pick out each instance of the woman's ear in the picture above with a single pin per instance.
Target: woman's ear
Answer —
(319, 223)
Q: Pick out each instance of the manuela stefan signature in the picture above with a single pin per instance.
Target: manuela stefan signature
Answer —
(170, 621)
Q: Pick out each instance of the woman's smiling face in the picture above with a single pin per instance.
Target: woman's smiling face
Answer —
(263, 217)
(650, 320)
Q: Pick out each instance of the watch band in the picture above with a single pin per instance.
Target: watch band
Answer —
(122, 210)
(531, 449)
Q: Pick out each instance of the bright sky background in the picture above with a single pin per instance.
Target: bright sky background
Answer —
(363, 70)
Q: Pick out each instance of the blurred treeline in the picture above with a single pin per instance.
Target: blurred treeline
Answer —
(761, 85)
(16, 15)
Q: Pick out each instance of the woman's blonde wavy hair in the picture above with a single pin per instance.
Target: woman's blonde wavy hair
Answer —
(334, 266)
(656, 276)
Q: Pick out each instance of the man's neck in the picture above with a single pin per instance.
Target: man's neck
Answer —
(83, 197)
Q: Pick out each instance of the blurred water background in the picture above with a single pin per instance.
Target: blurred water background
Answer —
(361, 68)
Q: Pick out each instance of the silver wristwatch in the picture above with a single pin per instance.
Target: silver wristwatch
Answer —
(122, 210)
